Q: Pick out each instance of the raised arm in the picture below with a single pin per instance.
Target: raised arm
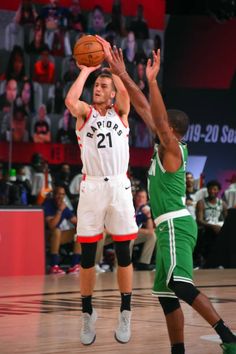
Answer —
(172, 158)
(115, 60)
(78, 108)
(122, 97)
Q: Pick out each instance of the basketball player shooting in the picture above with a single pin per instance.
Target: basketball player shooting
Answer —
(176, 230)
(105, 193)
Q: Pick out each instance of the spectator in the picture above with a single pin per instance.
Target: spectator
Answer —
(26, 97)
(15, 126)
(139, 25)
(141, 79)
(97, 25)
(131, 55)
(44, 68)
(26, 13)
(41, 126)
(71, 74)
(66, 129)
(77, 21)
(7, 99)
(41, 116)
(41, 180)
(37, 45)
(16, 65)
(20, 191)
(58, 42)
(210, 214)
(55, 103)
(190, 194)
(117, 24)
(54, 16)
(146, 234)
(57, 215)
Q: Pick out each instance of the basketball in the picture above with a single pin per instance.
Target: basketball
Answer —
(88, 51)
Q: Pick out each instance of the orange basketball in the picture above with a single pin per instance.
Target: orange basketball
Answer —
(88, 51)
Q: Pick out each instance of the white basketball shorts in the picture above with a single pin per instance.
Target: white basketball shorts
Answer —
(106, 202)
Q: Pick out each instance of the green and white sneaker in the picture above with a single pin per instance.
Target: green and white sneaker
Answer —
(123, 331)
(228, 348)
(88, 332)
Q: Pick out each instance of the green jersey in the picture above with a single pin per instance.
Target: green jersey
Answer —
(167, 189)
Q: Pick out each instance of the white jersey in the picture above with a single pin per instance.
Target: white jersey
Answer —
(104, 144)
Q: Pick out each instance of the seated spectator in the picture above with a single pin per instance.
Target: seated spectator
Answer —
(146, 234)
(20, 190)
(97, 25)
(54, 15)
(7, 99)
(41, 180)
(44, 68)
(26, 97)
(190, 194)
(77, 21)
(141, 79)
(66, 129)
(55, 103)
(41, 126)
(37, 45)
(58, 42)
(16, 65)
(71, 74)
(57, 216)
(131, 54)
(139, 25)
(24, 20)
(210, 215)
(26, 13)
(15, 126)
(117, 24)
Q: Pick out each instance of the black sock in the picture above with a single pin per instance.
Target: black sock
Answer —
(125, 301)
(224, 332)
(178, 348)
(87, 304)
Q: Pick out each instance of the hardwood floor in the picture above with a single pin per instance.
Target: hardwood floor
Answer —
(42, 315)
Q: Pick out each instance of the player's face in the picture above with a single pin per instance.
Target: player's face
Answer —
(103, 91)
(213, 192)
(189, 180)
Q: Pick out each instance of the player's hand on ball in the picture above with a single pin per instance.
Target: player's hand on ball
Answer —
(106, 47)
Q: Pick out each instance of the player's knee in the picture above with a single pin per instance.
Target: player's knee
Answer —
(88, 254)
(184, 291)
(123, 253)
(169, 304)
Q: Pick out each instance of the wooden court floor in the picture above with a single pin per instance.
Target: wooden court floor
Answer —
(41, 314)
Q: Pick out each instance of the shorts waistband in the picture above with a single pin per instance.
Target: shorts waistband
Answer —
(171, 215)
(103, 178)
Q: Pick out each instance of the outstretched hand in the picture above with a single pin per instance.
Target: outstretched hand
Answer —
(106, 47)
(153, 68)
(114, 56)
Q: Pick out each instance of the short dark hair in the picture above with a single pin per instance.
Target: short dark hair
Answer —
(178, 120)
(214, 183)
(108, 74)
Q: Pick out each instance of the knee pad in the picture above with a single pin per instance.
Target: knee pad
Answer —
(88, 254)
(123, 253)
(184, 291)
(169, 304)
